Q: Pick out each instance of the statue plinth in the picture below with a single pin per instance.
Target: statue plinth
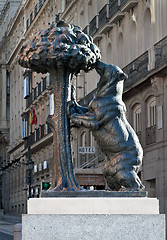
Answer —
(90, 194)
(93, 217)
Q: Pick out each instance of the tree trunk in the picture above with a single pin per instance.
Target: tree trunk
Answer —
(63, 175)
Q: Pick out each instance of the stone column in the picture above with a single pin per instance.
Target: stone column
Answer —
(3, 89)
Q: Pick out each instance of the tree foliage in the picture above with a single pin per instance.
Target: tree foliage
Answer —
(59, 45)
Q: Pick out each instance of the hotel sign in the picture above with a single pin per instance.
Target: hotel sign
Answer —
(89, 150)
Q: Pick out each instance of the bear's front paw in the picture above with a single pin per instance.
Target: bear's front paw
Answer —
(76, 121)
(70, 108)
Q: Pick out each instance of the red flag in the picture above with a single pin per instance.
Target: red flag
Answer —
(34, 117)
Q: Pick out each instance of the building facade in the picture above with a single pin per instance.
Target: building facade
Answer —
(130, 34)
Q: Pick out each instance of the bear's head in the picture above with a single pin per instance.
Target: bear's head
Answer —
(109, 72)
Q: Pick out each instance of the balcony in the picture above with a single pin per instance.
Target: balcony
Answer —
(86, 30)
(68, 2)
(93, 26)
(103, 15)
(136, 70)
(38, 134)
(160, 52)
(34, 13)
(104, 25)
(37, 91)
(126, 5)
(117, 17)
(113, 7)
(150, 135)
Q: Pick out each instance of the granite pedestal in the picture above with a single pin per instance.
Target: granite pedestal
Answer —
(126, 218)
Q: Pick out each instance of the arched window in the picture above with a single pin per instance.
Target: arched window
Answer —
(91, 140)
(151, 112)
(120, 50)
(137, 118)
(109, 51)
(133, 41)
(83, 139)
(147, 29)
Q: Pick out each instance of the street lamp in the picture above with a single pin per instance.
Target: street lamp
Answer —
(29, 175)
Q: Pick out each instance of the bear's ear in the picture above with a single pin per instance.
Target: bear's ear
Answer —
(122, 76)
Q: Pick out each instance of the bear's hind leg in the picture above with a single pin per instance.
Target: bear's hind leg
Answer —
(129, 179)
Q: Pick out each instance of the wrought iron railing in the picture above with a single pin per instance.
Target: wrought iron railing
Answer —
(103, 16)
(92, 26)
(88, 163)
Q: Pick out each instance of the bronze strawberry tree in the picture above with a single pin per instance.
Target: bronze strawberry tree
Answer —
(62, 50)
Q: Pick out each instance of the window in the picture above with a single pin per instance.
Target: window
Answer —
(40, 167)
(35, 10)
(31, 17)
(137, 118)
(83, 139)
(25, 125)
(91, 139)
(151, 112)
(27, 24)
(7, 94)
(40, 4)
(52, 104)
(35, 168)
(45, 165)
(27, 84)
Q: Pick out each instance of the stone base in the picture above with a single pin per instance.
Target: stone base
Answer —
(93, 227)
(95, 193)
(93, 205)
(93, 218)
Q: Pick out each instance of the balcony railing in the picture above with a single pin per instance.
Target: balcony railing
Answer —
(34, 13)
(93, 26)
(160, 52)
(68, 2)
(126, 5)
(137, 69)
(42, 86)
(108, 12)
(85, 30)
(113, 7)
(38, 134)
(103, 15)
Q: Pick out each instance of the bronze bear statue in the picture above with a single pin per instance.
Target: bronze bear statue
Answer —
(106, 117)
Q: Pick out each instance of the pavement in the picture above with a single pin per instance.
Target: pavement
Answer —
(7, 223)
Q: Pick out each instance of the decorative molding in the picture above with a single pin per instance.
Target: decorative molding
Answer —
(157, 86)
